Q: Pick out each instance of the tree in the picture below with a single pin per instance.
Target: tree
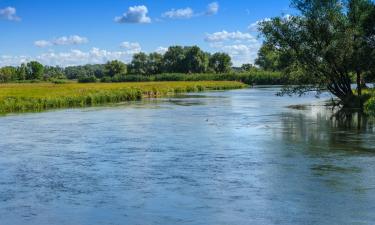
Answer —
(220, 62)
(21, 72)
(7, 74)
(173, 60)
(34, 71)
(328, 44)
(114, 67)
(55, 72)
(247, 67)
(139, 63)
(195, 60)
(154, 63)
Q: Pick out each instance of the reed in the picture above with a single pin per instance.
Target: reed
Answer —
(43, 96)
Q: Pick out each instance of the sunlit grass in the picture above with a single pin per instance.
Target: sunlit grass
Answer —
(44, 96)
(370, 104)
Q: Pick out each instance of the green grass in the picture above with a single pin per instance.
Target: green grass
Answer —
(370, 104)
(252, 77)
(43, 96)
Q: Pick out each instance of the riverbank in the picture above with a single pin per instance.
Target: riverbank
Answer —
(43, 96)
(370, 104)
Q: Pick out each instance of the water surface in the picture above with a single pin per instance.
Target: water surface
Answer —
(234, 157)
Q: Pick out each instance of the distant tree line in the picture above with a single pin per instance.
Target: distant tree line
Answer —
(177, 59)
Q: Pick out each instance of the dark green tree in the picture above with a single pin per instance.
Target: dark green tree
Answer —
(114, 67)
(328, 43)
(7, 74)
(35, 71)
(247, 67)
(195, 60)
(139, 64)
(154, 63)
(220, 62)
(21, 72)
(174, 59)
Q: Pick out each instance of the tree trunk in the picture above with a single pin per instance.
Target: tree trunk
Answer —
(359, 90)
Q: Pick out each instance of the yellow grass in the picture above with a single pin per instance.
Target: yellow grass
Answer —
(43, 96)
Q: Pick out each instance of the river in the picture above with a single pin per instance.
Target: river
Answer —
(221, 158)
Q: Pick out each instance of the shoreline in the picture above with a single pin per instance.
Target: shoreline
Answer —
(20, 98)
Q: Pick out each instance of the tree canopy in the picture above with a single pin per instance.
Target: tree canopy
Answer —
(326, 43)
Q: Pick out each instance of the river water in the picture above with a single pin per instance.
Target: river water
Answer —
(224, 158)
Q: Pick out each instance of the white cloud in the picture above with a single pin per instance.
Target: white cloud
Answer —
(70, 40)
(212, 8)
(69, 58)
(227, 36)
(161, 50)
(135, 14)
(9, 13)
(242, 47)
(241, 53)
(255, 26)
(185, 13)
(42, 43)
(131, 47)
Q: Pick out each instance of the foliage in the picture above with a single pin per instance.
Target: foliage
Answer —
(114, 67)
(34, 70)
(220, 62)
(138, 64)
(253, 77)
(326, 43)
(247, 67)
(74, 72)
(87, 79)
(6, 73)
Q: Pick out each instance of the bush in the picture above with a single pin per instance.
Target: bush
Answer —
(88, 79)
(251, 78)
(370, 106)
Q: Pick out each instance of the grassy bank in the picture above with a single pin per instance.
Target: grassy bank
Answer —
(44, 96)
(370, 104)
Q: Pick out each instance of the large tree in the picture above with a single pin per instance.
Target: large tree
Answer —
(35, 70)
(139, 63)
(328, 41)
(220, 62)
(195, 61)
(173, 60)
(7, 74)
(114, 67)
(154, 63)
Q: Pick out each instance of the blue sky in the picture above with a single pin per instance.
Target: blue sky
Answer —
(73, 32)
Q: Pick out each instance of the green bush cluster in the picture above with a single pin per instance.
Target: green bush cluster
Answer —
(250, 78)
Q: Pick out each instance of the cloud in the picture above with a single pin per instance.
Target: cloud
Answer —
(135, 14)
(9, 13)
(255, 26)
(161, 50)
(242, 47)
(42, 43)
(64, 40)
(226, 36)
(69, 58)
(131, 47)
(71, 40)
(212, 8)
(185, 13)
(241, 53)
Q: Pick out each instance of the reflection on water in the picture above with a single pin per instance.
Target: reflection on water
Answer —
(235, 157)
